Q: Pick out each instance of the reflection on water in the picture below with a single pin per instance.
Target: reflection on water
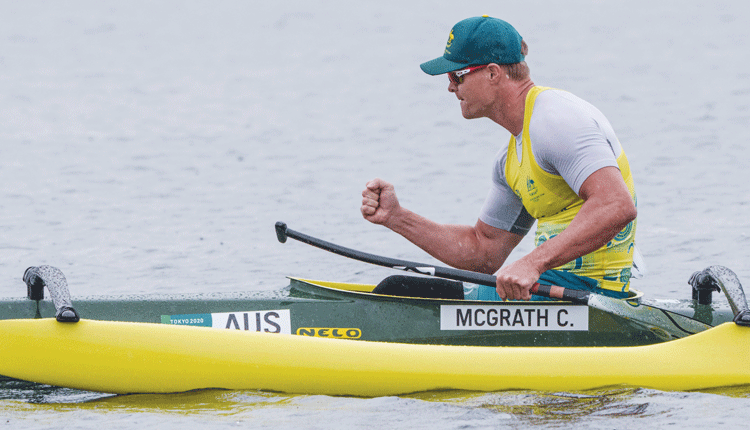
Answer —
(452, 409)
(31, 392)
(580, 409)
(739, 391)
(570, 407)
(535, 408)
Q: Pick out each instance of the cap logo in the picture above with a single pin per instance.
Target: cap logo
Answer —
(450, 42)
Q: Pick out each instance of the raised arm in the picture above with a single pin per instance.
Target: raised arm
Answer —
(480, 248)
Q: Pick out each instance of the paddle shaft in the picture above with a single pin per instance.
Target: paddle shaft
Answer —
(551, 291)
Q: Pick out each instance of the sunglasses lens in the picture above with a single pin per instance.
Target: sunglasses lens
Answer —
(454, 79)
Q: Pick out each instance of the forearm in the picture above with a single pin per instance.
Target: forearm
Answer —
(460, 246)
(481, 248)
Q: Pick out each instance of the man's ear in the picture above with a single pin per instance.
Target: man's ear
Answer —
(496, 72)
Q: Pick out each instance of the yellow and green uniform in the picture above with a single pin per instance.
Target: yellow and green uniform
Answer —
(550, 200)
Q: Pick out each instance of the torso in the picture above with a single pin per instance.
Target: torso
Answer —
(538, 175)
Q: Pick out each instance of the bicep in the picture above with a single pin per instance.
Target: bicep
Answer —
(605, 183)
(604, 193)
(503, 210)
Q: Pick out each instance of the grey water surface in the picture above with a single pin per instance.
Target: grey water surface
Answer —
(149, 147)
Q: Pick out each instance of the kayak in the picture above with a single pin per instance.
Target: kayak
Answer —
(317, 337)
(320, 337)
(119, 357)
(350, 311)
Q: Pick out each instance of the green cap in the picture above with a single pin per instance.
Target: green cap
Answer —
(475, 41)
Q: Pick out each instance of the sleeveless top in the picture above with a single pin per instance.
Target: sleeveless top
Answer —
(549, 199)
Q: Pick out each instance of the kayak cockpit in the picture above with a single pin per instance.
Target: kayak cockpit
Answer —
(320, 287)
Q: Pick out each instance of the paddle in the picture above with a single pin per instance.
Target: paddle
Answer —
(282, 232)
(666, 324)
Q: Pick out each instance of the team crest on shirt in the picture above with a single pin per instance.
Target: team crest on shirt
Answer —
(531, 187)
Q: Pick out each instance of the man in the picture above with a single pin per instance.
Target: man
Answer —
(563, 167)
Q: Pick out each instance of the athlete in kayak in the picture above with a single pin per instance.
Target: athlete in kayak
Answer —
(563, 167)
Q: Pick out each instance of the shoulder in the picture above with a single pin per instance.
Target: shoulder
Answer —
(563, 110)
(498, 166)
(564, 122)
(570, 137)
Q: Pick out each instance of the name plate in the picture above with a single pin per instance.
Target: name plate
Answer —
(514, 317)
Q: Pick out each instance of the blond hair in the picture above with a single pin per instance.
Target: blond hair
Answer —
(518, 71)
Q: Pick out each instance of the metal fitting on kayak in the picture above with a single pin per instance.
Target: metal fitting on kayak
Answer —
(719, 278)
(36, 278)
(704, 286)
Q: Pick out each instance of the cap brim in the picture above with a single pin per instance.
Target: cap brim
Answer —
(440, 65)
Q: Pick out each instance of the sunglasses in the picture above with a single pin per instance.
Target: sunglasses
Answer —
(457, 76)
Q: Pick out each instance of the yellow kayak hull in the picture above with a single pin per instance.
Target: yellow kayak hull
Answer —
(122, 357)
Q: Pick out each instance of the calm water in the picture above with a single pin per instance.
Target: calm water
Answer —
(151, 147)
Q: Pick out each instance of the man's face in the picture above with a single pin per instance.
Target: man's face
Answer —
(472, 91)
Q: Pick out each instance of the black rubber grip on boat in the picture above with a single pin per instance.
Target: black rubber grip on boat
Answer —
(742, 318)
(67, 315)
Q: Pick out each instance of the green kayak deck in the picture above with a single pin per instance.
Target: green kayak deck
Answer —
(350, 311)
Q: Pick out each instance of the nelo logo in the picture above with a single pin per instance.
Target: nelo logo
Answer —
(339, 333)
